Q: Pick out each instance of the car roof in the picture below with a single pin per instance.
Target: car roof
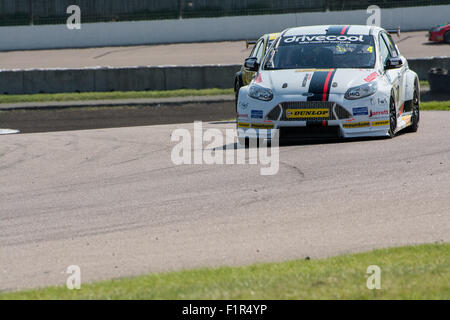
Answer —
(273, 36)
(333, 29)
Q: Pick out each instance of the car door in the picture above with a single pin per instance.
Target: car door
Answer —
(258, 52)
(393, 75)
(401, 71)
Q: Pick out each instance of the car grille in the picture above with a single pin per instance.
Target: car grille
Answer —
(336, 111)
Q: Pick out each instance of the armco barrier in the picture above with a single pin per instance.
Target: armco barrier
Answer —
(117, 79)
(146, 78)
(422, 65)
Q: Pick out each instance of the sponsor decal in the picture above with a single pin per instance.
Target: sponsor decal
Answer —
(312, 70)
(243, 105)
(243, 125)
(362, 111)
(356, 125)
(258, 78)
(338, 30)
(307, 113)
(257, 114)
(380, 123)
(316, 123)
(320, 85)
(242, 115)
(407, 119)
(262, 126)
(322, 38)
(371, 77)
(382, 101)
(378, 113)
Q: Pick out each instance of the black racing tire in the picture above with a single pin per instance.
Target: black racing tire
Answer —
(392, 117)
(415, 118)
(447, 37)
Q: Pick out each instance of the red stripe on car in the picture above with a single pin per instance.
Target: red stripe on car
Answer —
(325, 87)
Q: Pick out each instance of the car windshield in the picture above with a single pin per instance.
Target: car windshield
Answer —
(322, 51)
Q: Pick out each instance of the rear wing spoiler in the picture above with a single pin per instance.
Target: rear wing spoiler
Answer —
(249, 43)
(394, 31)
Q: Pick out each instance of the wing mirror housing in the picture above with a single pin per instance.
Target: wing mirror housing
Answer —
(251, 64)
(393, 63)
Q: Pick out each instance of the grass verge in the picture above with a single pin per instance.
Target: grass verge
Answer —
(413, 272)
(435, 105)
(61, 97)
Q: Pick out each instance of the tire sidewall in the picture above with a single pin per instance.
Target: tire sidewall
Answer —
(392, 105)
(416, 111)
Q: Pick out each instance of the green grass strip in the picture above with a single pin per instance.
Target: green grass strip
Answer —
(435, 105)
(412, 272)
(61, 97)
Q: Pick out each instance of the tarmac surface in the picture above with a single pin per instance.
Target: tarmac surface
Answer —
(411, 44)
(112, 202)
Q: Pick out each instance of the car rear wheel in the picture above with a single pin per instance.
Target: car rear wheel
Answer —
(415, 112)
(392, 118)
(447, 37)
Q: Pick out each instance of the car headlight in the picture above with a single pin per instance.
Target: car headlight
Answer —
(361, 91)
(260, 93)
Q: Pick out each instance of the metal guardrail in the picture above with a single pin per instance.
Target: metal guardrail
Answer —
(42, 12)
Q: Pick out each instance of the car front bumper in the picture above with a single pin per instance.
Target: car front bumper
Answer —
(366, 117)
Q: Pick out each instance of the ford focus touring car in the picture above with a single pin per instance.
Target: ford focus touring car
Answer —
(329, 81)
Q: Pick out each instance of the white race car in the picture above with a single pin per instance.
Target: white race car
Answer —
(330, 81)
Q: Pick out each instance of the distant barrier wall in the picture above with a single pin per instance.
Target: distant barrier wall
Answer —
(205, 29)
(145, 78)
(116, 79)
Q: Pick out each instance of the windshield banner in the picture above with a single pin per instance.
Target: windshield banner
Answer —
(300, 39)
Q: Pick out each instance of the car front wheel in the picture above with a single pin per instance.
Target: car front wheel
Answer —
(392, 118)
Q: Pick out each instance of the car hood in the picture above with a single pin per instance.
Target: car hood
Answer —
(313, 80)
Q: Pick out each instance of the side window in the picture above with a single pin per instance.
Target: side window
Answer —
(256, 49)
(260, 52)
(384, 50)
(391, 45)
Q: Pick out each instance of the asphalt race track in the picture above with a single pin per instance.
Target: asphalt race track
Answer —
(412, 45)
(112, 202)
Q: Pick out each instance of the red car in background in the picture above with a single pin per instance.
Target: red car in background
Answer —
(440, 34)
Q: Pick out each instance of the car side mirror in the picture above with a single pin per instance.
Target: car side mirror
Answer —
(251, 64)
(393, 63)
